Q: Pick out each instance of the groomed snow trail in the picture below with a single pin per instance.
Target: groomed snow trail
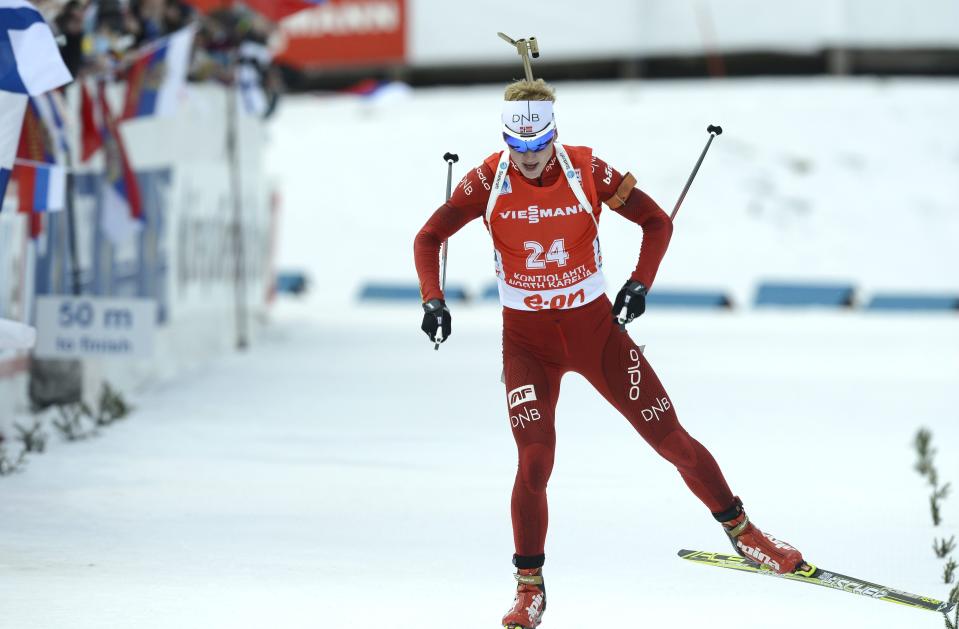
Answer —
(345, 474)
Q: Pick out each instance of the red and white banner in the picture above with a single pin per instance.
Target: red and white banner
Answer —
(344, 33)
(271, 9)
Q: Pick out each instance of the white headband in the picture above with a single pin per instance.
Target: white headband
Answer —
(528, 119)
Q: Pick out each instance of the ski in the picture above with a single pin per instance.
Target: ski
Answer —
(824, 578)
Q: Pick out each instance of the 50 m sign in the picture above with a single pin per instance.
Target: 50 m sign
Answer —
(86, 327)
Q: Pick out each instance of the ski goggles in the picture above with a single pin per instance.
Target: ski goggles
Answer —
(535, 144)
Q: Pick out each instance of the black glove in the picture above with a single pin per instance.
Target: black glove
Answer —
(436, 317)
(630, 302)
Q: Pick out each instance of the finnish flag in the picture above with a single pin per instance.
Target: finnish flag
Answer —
(30, 64)
(30, 61)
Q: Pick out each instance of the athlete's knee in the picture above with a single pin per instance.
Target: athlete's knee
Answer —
(535, 466)
(679, 449)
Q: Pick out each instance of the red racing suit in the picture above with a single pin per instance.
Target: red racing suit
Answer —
(557, 318)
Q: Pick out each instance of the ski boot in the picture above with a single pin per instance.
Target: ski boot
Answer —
(530, 601)
(756, 546)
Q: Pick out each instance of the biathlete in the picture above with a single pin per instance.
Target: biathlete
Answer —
(541, 203)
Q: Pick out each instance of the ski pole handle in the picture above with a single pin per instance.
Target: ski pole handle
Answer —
(439, 332)
(450, 158)
(713, 131)
(621, 318)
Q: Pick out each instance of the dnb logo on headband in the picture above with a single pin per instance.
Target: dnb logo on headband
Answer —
(527, 117)
(532, 117)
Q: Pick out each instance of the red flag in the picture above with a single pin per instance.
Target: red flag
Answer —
(136, 77)
(120, 175)
(35, 146)
(25, 189)
(25, 194)
(34, 142)
(36, 223)
(91, 124)
(31, 147)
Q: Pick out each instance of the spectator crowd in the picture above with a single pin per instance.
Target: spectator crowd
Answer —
(102, 36)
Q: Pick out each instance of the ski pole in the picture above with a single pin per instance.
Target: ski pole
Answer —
(713, 131)
(451, 158)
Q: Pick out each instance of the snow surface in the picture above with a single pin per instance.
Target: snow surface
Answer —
(851, 180)
(342, 473)
(345, 474)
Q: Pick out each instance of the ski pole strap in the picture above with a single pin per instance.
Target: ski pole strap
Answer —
(529, 579)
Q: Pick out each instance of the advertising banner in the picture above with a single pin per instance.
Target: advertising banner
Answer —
(344, 33)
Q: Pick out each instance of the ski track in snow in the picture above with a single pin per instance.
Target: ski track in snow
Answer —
(345, 474)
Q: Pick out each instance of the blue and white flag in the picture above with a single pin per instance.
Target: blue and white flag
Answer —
(30, 64)
(12, 108)
(41, 187)
(30, 61)
(51, 109)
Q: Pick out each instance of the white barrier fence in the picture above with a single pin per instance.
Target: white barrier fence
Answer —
(445, 33)
(183, 258)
